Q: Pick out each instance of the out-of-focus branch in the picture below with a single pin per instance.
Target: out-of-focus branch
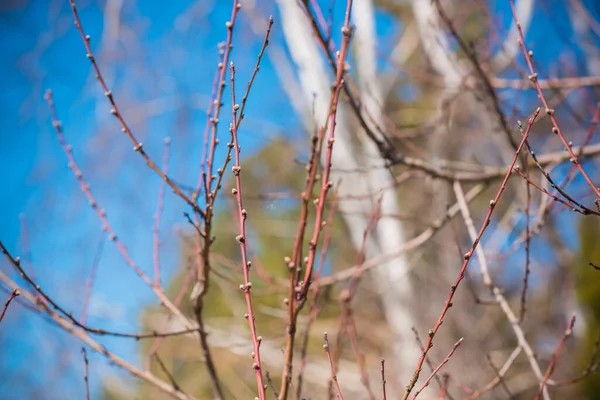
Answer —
(510, 47)
(137, 146)
(555, 355)
(70, 327)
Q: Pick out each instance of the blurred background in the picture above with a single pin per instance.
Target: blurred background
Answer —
(444, 82)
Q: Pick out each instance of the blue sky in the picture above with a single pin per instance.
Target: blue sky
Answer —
(178, 57)
(45, 51)
(168, 59)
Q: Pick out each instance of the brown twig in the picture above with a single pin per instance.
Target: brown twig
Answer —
(209, 122)
(383, 381)
(85, 373)
(299, 289)
(164, 369)
(314, 308)
(437, 369)
(527, 249)
(69, 326)
(332, 367)
(428, 360)
(14, 294)
(45, 298)
(242, 239)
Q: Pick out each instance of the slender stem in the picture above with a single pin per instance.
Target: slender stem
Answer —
(14, 294)
(467, 258)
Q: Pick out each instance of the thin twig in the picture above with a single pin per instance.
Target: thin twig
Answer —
(499, 375)
(91, 278)
(102, 215)
(527, 250)
(163, 367)
(467, 258)
(14, 294)
(70, 327)
(86, 373)
(437, 369)
(549, 111)
(137, 146)
(299, 288)
(495, 290)
(332, 367)
(383, 381)
(242, 239)
(16, 262)
(159, 210)
(552, 363)
(314, 307)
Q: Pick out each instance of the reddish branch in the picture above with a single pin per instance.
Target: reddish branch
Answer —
(211, 191)
(332, 367)
(299, 288)
(314, 307)
(572, 206)
(204, 239)
(137, 146)
(209, 177)
(242, 238)
(467, 258)
(428, 360)
(360, 357)
(437, 369)
(549, 111)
